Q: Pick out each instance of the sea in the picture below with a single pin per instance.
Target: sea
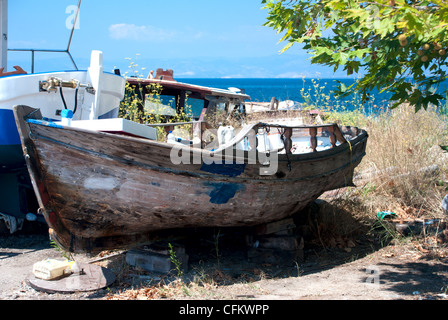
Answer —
(317, 92)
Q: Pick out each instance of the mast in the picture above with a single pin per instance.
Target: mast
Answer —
(4, 34)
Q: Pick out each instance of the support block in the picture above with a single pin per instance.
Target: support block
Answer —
(284, 226)
(287, 243)
(272, 256)
(153, 261)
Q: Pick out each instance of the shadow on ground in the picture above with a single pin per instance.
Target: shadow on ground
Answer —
(414, 278)
(332, 237)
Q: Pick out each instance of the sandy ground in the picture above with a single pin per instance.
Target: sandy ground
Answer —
(394, 272)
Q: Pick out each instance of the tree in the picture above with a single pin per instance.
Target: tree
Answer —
(399, 45)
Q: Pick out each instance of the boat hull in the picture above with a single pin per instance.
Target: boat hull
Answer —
(102, 191)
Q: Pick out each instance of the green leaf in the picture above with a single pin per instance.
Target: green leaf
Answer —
(381, 40)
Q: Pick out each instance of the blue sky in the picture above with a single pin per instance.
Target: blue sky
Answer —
(196, 38)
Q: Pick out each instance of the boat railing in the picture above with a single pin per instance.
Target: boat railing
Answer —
(33, 54)
(334, 133)
(67, 51)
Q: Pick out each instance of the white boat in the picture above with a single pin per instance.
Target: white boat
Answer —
(90, 94)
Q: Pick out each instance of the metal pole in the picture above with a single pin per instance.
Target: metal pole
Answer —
(32, 61)
(4, 34)
(74, 26)
(73, 61)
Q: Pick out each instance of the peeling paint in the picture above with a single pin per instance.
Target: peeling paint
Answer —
(100, 183)
(45, 123)
(230, 170)
(223, 192)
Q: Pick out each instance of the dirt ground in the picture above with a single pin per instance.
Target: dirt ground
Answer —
(368, 271)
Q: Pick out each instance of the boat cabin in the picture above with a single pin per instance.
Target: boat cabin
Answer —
(165, 97)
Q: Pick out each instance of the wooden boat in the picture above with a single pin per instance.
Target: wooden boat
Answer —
(99, 190)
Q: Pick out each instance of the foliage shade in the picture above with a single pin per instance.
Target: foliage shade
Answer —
(399, 45)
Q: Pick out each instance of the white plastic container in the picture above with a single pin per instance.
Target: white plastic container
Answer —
(275, 141)
(66, 117)
(50, 269)
(225, 134)
(170, 138)
(263, 142)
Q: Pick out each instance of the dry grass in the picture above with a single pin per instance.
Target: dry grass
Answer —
(404, 171)
(407, 166)
(176, 289)
(204, 285)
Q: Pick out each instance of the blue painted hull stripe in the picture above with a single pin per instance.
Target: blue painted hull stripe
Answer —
(8, 129)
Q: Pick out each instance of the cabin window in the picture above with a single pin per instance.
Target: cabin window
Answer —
(161, 105)
(221, 106)
(195, 106)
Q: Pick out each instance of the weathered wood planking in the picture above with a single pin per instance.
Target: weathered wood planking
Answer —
(103, 191)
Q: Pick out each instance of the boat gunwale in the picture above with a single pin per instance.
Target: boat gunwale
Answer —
(290, 159)
(190, 173)
(310, 156)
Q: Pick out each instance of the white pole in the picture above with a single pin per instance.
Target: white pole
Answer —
(4, 34)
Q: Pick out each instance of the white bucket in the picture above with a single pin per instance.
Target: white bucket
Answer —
(275, 141)
(263, 142)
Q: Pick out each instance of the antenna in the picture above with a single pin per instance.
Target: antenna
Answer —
(74, 26)
(71, 35)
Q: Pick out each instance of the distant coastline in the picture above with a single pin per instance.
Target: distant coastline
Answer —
(263, 89)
